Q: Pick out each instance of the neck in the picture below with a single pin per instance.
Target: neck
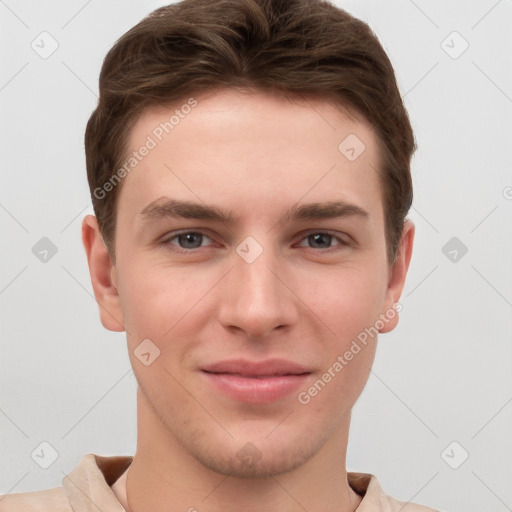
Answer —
(164, 475)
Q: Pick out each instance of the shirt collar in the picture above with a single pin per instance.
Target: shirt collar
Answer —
(88, 486)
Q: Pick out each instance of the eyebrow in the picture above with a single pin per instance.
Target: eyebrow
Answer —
(172, 208)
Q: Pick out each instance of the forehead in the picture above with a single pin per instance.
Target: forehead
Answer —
(250, 147)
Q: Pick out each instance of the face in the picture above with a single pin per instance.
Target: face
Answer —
(251, 253)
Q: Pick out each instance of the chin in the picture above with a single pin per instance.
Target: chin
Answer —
(256, 456)
(251, 462)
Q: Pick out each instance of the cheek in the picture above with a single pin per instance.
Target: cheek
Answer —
(346, 356)
(348, 301)
(336, 392)
(161, 303)
(352, 306)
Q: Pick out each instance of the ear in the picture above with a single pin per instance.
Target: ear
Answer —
(397, 274)
(103, 275)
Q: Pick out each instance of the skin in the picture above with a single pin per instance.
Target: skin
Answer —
(256, 155)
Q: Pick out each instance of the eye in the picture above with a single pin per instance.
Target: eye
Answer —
(323, 240)
(185, 241)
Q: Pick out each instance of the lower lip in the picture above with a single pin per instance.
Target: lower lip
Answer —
(256, 390)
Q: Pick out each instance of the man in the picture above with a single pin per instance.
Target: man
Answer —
(249, 168)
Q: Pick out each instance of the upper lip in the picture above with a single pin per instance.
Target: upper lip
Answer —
(267, 367)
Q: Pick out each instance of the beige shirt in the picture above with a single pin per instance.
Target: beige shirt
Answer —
(88, 488)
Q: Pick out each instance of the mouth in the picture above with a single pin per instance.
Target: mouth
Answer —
(256, 382)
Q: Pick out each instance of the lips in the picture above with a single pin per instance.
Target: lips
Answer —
(256, 382)
(269, 367)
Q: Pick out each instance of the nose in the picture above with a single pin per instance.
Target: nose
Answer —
(257, 297)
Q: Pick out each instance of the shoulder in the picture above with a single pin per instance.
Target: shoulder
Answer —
(393, 505)
(376, 500)
(49, 500)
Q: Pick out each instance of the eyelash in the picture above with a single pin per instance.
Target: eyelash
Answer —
(167, 241)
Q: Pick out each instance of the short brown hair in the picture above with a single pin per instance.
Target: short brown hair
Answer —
(301, 47)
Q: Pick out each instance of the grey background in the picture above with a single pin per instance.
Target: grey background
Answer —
(442, 376)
